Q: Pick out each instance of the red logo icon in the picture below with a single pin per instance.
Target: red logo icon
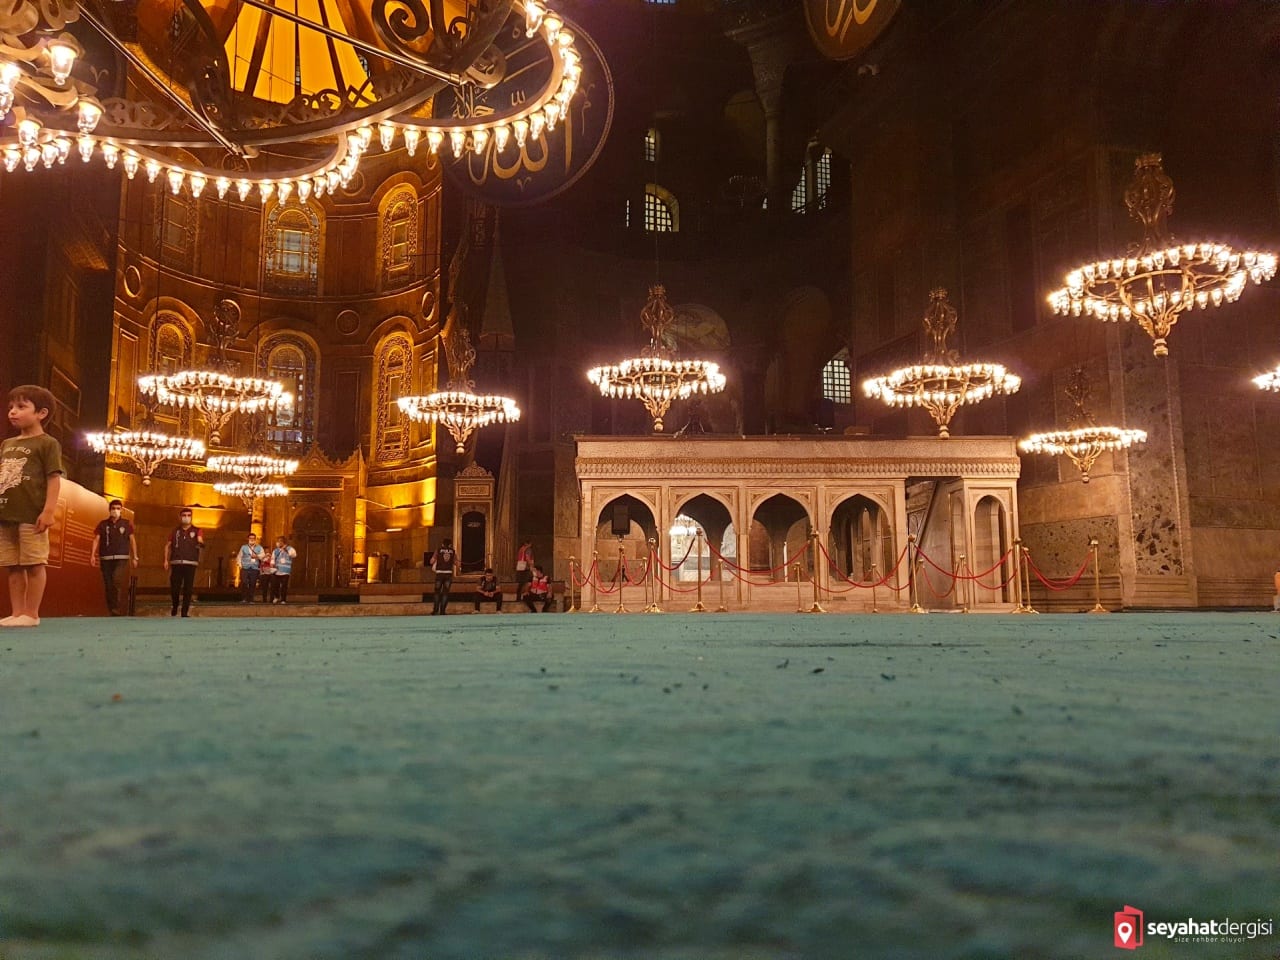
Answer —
(1128, 928)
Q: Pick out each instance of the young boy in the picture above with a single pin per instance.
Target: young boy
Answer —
(30, 479)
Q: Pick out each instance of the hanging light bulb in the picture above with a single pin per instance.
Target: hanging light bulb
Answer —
(197, 182)
(265, 189)
(12, 157)
(29, 131)
(89, 114)
(49, 154)
(242, 188)
(283, 190)
(521, 130)
(479, 137)
(222, 184)
(458, 139)
(131, 161)
(366, 137)
(176, 177)
(552, 110)
(30, 157)
(63, 146)
(85, 145)
(501, 137)
(110, 153)
(537, 121)
(411, 137)
(63, 51)
(153, 169)
(386, 134)
(434, 139)
(304, 190)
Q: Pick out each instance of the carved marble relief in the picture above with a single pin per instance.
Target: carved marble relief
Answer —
(1159, 538)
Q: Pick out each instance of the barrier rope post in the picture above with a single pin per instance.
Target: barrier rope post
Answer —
(1017, 580)
(1097, 587)
(698, 607)
(795, 567)
(573, 603)
(817, 573)
(621, 577)
(963, 594)
(874, 577)
(655, 564)
(1026, 568)
(913, 571)
(595, 595)
(719, 566)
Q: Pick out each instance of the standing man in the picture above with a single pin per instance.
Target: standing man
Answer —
(30, 480)
(282, 558)
(249, 558)
(181, 557)
(524, 566)
(445, 564)
(114, 545)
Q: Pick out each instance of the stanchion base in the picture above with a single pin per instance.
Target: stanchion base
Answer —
(1099, 608)
(595, 608)
(817, 608)
(916, 608)
(620, 609)
(572, 610)
(698, 608)
(722, 609)
(653, 608)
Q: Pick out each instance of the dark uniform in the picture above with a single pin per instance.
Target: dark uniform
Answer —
(444, 561)
(183, 554)
(115, 539)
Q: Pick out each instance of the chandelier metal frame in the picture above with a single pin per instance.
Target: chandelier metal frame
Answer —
(656, 376)
(458, 408)
(147, 449)
(252, 467)
(214, 394)
(58, 107)
(1159, 280)
(250, 490)
(941, 384)
(1084, 444)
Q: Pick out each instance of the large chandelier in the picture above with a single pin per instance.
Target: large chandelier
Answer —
(146, 448)
(1159, 280)
(259, 97)
(252, 467)
(215, 394)
(941, 384)
(458, 408)
(1082, 445)
(656, 376)
(250, 490)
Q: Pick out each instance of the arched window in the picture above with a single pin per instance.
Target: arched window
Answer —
(836, 385)
(391, 430)
(291, 360)
(810, 192)
(293, 249)
(399, 242)
(651, 144)
(661, 210)
(176, 223)
(172, 349)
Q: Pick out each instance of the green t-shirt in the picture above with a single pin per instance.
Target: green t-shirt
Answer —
(26, 464)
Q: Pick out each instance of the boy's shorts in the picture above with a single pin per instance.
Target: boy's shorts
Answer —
(21, 546)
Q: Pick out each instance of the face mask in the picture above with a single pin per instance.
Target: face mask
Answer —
(186, 521)
(115, 514)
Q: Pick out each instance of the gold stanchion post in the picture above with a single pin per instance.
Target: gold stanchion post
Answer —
(817, 572)
(874, 577)
(573, 603)
(1026, 567)
(698, 607)
(654, 560)
(1017, 580)
(1097, 583)
(913, 574)
(621, 578)
(962, 585)
(799, 598)
(719, 566)
(595, 594)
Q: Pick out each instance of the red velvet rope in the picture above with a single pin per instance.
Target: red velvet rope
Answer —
(734, 568)
(883, 581)
(674, 589)
(674, 566)
(1065, 584)
(924, 575)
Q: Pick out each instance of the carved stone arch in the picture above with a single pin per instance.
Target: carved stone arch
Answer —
(859, 538)
(681, 499)
(293, 427)
(393, 372)
(400, 242)
(778, 535)
(606, 497)
(293, 246)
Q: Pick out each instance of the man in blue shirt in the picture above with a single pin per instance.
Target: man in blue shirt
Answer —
(251, 554)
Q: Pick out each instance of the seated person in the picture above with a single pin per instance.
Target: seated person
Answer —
(539, 589)
(488, 590)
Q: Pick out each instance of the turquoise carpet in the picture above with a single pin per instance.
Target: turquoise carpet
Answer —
(672, 787)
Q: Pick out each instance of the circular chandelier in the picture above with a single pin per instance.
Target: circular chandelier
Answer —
(457, 408)
(941, 385)
(252, 467)
(656, 377)
(1269, 381)
(256, 96)
(1084, 445)
(216, 395)
(1159, 281)
(146, 448)
(250, 490)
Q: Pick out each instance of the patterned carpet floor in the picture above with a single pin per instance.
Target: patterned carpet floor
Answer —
(672, 787)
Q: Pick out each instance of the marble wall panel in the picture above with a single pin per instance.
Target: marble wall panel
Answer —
(1060, 547)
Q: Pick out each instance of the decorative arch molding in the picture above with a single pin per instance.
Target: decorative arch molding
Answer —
(400, 241)
(607, 497)
(292, 428)
(874, 497)
(393, 372)
(802, 498)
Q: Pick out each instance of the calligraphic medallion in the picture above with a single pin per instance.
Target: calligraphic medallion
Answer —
(521, 176)
(842, 29)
